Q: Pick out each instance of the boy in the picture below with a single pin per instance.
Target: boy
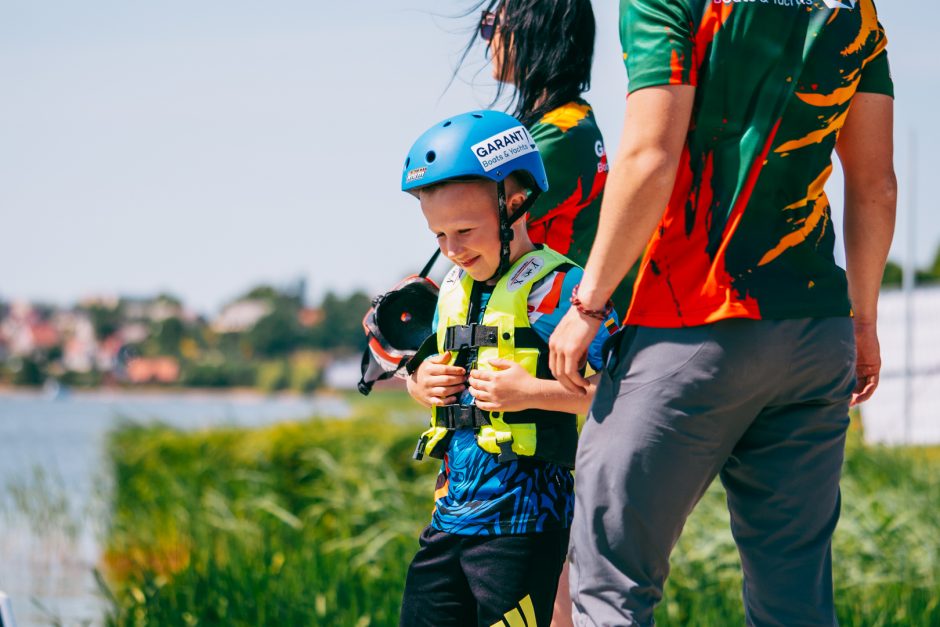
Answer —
(506, 431)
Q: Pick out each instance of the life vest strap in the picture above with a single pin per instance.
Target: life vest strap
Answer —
(454, 417)
(538, 416)
(427, 348)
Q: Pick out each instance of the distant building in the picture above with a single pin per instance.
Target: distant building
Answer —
(79, 344)
(883, 416)
(308, 317)
(241, 316)
(133, 333)
(344, 374)
(155, 309)
(105, 301)
(153, 370)
(25, 331)
(108, 355)
(78, 354)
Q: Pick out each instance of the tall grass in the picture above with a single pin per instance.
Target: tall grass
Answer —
(315, 523)
(886, 550)
(298, 524)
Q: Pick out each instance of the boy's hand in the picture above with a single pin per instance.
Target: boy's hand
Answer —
(437, 383)
(510, 388)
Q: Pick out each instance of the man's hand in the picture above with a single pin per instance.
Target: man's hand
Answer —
(868, 361)
(509, 388)
(435, 382)
(655, 127)
(569, 345)
(865, 147)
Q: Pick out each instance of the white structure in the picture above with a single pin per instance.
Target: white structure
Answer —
(81, 345)
(241, 316)
(6, 612)
(884, 415)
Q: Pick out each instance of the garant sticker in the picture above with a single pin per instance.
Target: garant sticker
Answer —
(414, 175)
(525, 273)
(503, 147)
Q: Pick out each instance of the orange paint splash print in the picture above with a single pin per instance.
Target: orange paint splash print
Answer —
(814, 194)
(747, 231)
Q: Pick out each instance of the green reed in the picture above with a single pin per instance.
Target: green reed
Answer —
(314, 523)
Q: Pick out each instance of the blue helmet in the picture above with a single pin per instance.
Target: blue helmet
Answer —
(487, 144)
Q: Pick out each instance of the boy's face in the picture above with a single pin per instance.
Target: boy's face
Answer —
(463, 216)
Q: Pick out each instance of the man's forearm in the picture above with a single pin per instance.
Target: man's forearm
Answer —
(866, 149)
(634, 201)
(552, 396)
(639, 186)
(869, 229)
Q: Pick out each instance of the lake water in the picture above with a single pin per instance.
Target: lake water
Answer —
(54, 447)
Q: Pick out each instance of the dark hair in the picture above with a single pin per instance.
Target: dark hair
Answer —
(547, 47)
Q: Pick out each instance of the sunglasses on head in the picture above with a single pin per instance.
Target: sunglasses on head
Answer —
(488, 23)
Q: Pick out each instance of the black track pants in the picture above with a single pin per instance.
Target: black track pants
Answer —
(483, 580)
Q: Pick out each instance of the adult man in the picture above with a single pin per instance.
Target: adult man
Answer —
(743, 361)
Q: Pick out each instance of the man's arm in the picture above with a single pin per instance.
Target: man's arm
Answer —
(866, 150)
(637, 192)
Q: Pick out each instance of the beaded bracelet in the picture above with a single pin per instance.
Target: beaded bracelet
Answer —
(597, 314)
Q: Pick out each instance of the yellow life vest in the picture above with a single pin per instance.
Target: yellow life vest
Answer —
(504, 332)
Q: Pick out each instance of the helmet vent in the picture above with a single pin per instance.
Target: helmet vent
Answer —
(447, 123)
(430, 157)
(407, 162)
(478, 116)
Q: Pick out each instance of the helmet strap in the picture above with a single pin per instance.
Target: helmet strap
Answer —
(505, 225)
(430, 264)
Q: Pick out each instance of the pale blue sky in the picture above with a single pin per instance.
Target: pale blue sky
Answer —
(203, 147)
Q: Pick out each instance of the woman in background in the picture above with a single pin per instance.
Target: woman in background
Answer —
(543, 50)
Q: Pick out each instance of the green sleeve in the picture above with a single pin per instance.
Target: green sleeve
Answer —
(658, 42)
(876, 76)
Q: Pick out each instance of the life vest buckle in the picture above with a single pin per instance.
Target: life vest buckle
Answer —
(462, 336)
(506, 454)
(454, 417)
(418, 455)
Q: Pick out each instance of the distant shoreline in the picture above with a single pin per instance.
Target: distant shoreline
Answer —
(151, 390)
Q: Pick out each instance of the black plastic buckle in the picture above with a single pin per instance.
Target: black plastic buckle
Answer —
(463, 336)
(461, 417)
(418, 455)
(506, 454)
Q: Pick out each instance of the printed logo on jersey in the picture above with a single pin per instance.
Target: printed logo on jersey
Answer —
(503, 147)
(841, 4)
(525, 273)
(599, 148)
(786, 3)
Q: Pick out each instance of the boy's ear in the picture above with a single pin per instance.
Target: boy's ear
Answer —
(515, 201)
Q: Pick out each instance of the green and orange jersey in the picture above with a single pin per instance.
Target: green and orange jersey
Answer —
(565, 217)
(747, 232)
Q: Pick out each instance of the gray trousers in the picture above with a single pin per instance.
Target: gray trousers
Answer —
(763, 404)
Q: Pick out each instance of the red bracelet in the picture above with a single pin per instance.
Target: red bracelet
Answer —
(597, 314)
